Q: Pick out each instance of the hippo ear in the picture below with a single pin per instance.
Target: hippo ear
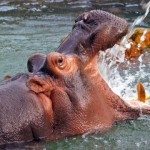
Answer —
(36, 62)
(104, 37)
(6, 77)
(38, 85)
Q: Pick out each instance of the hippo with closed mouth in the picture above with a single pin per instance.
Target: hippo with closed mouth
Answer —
(64, 93)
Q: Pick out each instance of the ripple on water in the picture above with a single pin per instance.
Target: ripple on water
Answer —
(7, 8)
(125, 135)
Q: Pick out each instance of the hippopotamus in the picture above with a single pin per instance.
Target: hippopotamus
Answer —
(64, 94)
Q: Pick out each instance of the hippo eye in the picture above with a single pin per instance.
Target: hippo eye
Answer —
(61, 62)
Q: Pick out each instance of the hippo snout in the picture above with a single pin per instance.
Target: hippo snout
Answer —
(95, 30)
(81, 24)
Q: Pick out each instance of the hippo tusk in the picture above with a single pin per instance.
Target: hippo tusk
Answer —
(142, 96)
(141, 92)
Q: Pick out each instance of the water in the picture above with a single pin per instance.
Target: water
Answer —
(29, 26)
(110, 63)
(116, 139)
(146, 8)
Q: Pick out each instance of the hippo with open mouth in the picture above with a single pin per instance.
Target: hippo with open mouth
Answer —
(64, 93)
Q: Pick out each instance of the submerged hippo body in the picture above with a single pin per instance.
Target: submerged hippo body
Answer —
(23, 116)
(64, 93)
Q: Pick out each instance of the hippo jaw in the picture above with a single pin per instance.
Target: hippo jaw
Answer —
(88, 25)
(73, 68)
(69, 97)
(93, 31)
(81, 99)
(77, 99)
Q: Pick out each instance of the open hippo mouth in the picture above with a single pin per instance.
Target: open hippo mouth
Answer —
(79, 91)
(64, 93)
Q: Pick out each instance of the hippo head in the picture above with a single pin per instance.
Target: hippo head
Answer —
(77, 93)
(78, 99)
(93, 31)
(64, 93)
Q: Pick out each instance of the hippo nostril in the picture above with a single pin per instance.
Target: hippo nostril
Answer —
(76, 20)
(84, 20)
(81, 25)
(74, 26)
(78, 24)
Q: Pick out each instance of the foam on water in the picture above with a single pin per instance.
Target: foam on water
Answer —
(123, 81)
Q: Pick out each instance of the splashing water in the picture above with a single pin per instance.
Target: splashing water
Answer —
(137, 21)
(122, 79)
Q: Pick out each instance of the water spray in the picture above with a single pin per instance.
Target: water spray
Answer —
(137, 21)
(109, 67)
